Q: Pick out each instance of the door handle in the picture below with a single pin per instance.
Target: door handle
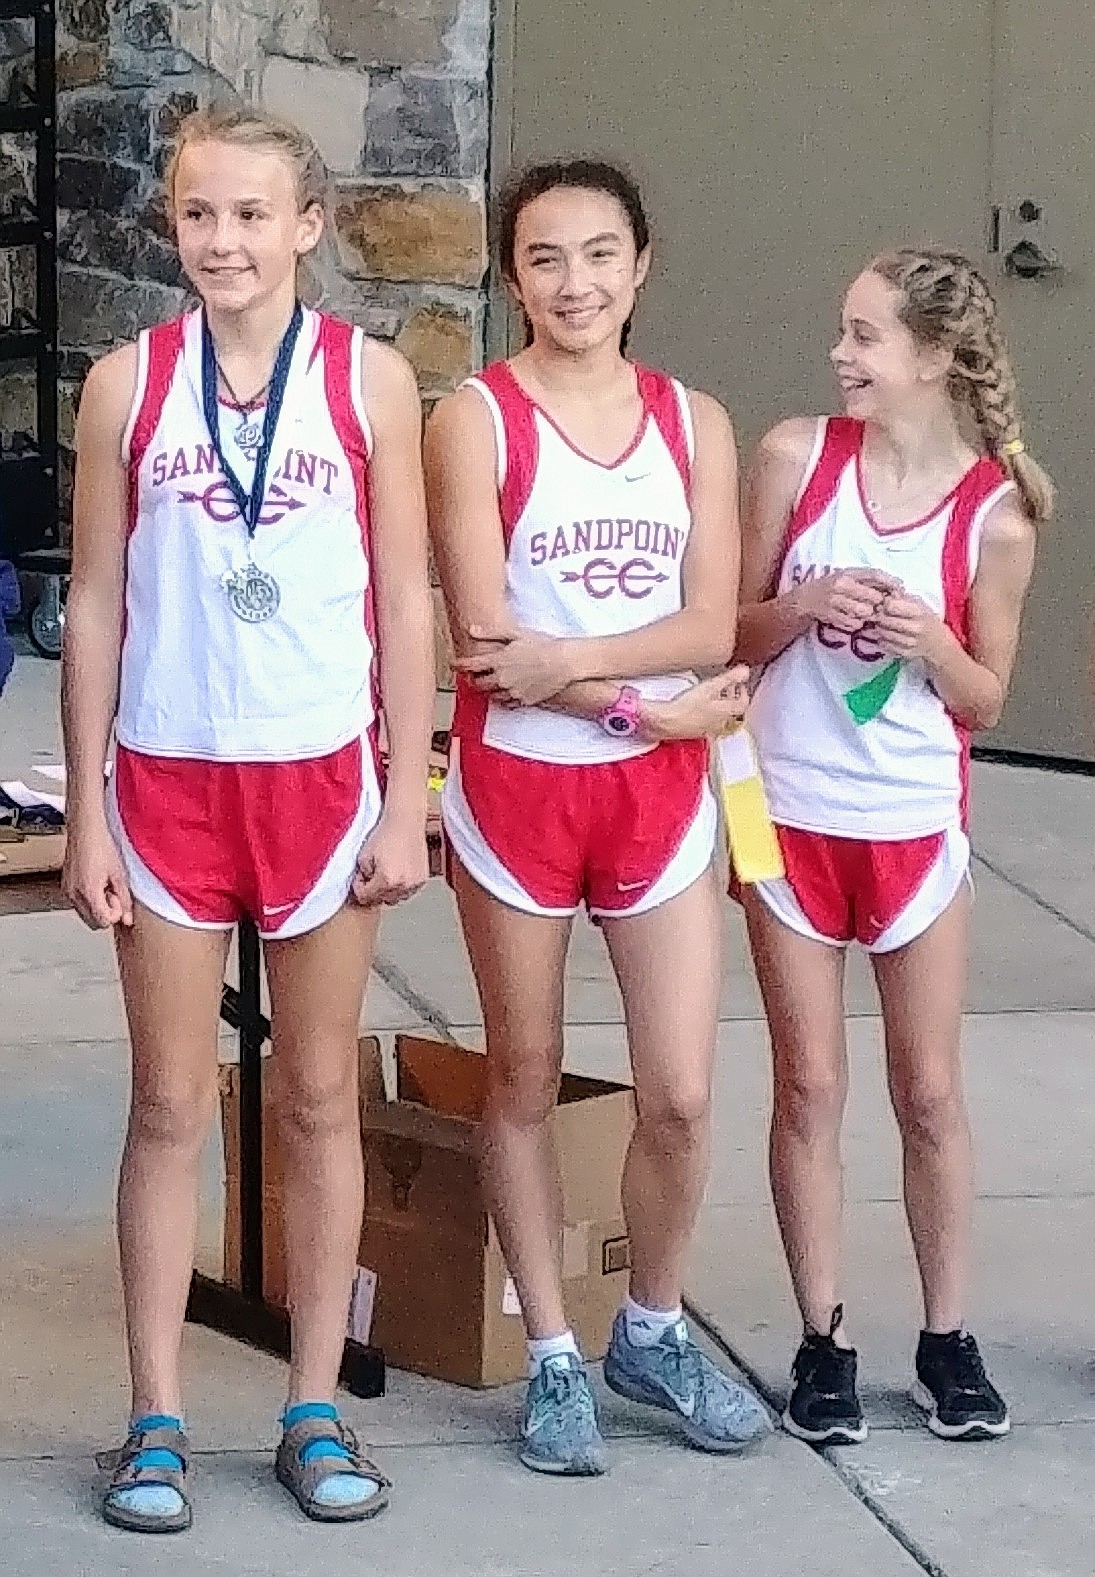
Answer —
(1027, 260)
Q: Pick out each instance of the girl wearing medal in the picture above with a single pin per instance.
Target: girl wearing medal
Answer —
(584, 510)
(885, 564)
(249, 537)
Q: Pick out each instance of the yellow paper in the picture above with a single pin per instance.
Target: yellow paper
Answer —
(751, 838)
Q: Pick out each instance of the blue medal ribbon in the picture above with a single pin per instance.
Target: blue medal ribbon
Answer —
(249, 504)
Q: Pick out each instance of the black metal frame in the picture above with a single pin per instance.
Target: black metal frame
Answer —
(243, 1313)
(29, 476)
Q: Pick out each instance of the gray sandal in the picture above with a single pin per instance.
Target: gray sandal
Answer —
(302, 1479)
(127, 1472)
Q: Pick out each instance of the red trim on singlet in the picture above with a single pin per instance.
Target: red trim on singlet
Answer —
(317, 345)
(165, 345)
(501, 374)
(336, 340)
(662, 401)
(840, 446)
(978, 485)
(522, 444)
(469, 716)
(522, 459)
(912, 525)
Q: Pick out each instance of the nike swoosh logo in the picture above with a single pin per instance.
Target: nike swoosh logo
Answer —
(639, 476)
(686, 1409)
(629, 887)
(280, 908)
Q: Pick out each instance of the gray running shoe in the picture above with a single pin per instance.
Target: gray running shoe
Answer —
(715, 1413)
(559, 1432)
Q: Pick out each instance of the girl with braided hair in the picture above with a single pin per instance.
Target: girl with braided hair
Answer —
(885, 565)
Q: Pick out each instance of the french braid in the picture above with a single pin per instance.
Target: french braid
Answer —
(947, 302)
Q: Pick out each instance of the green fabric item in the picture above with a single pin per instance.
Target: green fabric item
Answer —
(867, 700)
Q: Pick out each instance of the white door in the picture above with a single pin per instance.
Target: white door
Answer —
(1043, 182)
(780, 146)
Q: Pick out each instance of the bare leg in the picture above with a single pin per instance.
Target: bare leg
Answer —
(518, 961)
(171, 980)
(317, 984)
(802, 983)
(922, 987)
(667, 963)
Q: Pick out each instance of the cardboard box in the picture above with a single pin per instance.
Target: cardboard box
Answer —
(442, 643)
(273, 1224)
(34, 854)
(444, 1303)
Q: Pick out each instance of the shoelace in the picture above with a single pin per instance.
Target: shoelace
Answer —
(969, 1370)
(818, 1366)
(564, 1387)
(682, 1365)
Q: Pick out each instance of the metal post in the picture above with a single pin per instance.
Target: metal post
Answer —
(251, 1039)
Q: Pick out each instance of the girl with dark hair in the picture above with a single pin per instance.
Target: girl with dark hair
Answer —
(885, 567)
(584, 515)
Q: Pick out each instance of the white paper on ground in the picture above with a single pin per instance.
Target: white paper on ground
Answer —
(55, 774)
(27, 798)
(362, 1299)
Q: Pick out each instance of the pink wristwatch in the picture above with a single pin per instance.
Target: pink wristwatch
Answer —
(621, 717)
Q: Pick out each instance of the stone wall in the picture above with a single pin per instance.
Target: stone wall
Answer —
(395, 94)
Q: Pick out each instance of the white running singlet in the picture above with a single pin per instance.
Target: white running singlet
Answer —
(196, 680)
(591, 550)
(902, 772)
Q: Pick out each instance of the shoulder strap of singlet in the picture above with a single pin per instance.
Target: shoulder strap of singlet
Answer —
(980, 490)
(836, 445)
(159, 351)
(666, 402)
(516, 439)
(341, 345)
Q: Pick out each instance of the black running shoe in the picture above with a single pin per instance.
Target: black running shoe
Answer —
(953, 1389)
(824, 1408)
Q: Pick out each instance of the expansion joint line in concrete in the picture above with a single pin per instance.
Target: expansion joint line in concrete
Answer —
(1035, 897)
(845, 1474)
(397, 982)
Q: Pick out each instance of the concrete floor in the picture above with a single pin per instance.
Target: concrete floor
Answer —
(902, 1502)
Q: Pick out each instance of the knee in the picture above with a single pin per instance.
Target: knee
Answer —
(929, 1109)
(809, 1099)
(173, 1112)
(679, 1112)
(523, 1092)
(316, 1103)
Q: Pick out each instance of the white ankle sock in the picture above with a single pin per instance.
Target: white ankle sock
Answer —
(543, 1347)
(646, 1327)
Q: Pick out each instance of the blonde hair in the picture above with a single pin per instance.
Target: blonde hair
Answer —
(243, 126)
(946, 302)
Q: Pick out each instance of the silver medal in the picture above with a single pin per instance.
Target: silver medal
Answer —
(253, 594)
